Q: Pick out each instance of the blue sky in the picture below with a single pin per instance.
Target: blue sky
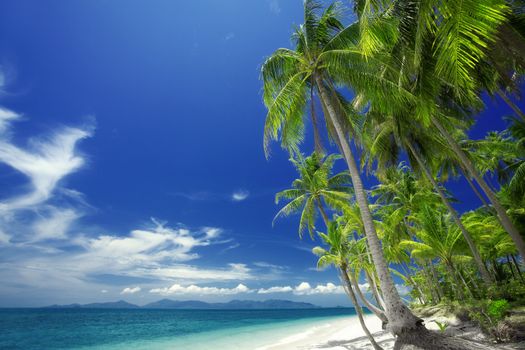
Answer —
(131, 160)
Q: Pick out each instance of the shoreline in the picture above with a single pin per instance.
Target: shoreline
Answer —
(335, 334)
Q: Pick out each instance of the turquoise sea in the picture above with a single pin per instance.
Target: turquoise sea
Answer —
(154, 329)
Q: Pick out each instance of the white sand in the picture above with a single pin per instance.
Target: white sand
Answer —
(338, 334)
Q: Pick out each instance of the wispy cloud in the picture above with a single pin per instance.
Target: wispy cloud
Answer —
(131, 290)
(240, 195)
(45, 161)
(275, 7)
(229, 36)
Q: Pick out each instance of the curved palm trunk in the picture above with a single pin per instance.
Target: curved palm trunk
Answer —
(511, 104)
(400, 318)
(475, 190)
(439, 290)
(452, 271)
(517, 267)
(373, 286)
(378, 312)
(502, 214)
(412, 282)
(474, 250)
(349, 290)
(323, 213)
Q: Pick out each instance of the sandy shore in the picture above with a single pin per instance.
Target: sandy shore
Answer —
(338, 334)
(346, 334)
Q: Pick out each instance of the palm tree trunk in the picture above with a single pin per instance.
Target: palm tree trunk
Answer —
(458, 290)
(323, 213)
(429, 282)
(318, 146)
(511, 104)
(400, 318)
(502, 214)
(474, 250)
(348, 288)
(517, 267)
(464, 282)
(475, 190)
(509, 264)
(378, 312)
(375, 291)
(436, 279)
(412, 282)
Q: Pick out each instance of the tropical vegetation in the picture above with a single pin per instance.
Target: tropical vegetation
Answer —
(395, 93)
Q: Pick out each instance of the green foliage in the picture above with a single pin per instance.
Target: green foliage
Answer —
(442, 326)
(488, 314)
(512, 290)
(498, 308)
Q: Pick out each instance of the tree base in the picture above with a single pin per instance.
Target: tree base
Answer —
(421, 338)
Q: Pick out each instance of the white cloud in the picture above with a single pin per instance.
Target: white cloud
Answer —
(30, 214)
(45, 162)
(6, 116)
(229, 36)
(304, 288)
(240, 195)
(148, 247)
(177, 289)
(403, 290)
(54, 224)
(104, 291)
(277, 289)
(131, 290)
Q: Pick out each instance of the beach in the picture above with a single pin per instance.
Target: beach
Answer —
(335, 334)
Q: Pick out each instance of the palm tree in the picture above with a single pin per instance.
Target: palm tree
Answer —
(435, 57)
(338, 242)
(327, 53)
(438, 238)
(314, 189)
(387, 134)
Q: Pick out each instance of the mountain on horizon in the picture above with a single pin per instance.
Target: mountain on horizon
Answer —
(194, 304)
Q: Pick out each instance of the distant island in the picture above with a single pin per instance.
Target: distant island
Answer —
(194, 304)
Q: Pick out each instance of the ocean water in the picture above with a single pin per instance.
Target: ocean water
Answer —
(154, 329)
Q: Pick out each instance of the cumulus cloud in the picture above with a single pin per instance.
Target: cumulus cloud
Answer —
(403, 290)
(148, 255)
(177, 289)
(131, 290)
(277, 289)
(303, 288)
(240, 195)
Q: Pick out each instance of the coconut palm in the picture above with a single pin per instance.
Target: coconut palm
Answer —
(440, 46)
(438, 238)
(327, 53)
(315, 189)
(337, 253)
(389, 134)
